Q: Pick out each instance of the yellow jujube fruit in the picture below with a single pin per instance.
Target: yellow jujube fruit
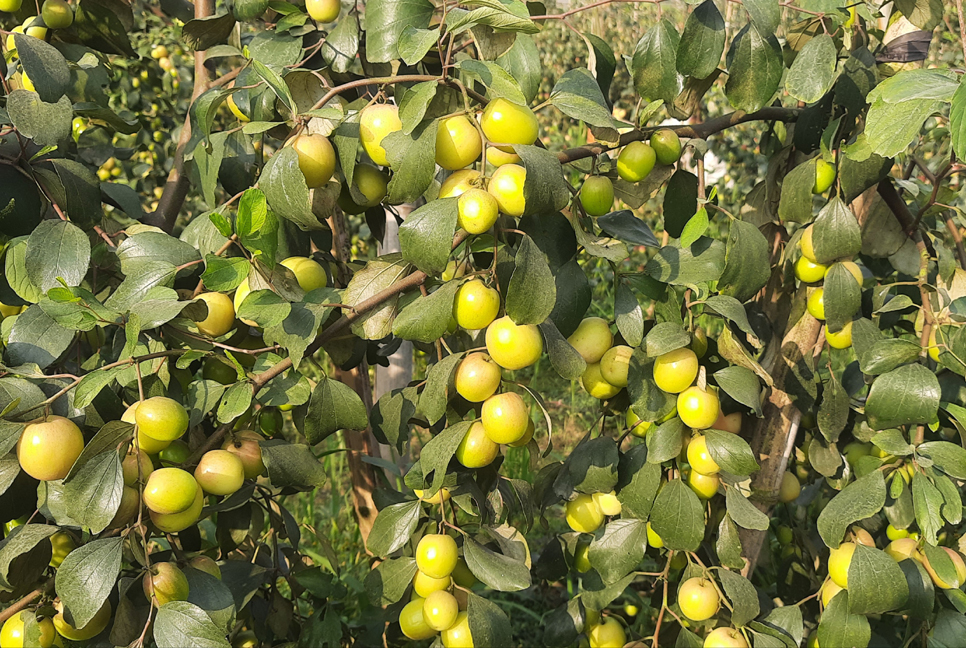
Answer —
(221, 314)
(477, 377)
(674, 371)
(592, 339)
(505, 417)
(699, 457)
(505, 123)
(584, 514)
(506, 185)
(476, 306)
(375, 122)
(698, 408)
(698, 599)
(476, 450)
(595, 384)
(513, 346)
(309, 273)
(48, 448)
(458, 143)
(436, 555)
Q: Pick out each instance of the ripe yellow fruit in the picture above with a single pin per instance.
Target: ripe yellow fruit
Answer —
(441, 496)
(505, 417)
(505, 122)
(165, 583)
(368, 181)
(375, 122)
(674, 371)
(840, 340)
(57, 14)
(13, 634)
(34, 26)
(699, 457)
(594, 383)
(233, 107)
(61, 544)
(506, 185)
(476, 450)
(498, 158)
(609, 633)
(221, 314)
(698, 408)
(958, 563)
(477, 211)
(829, 590)
(219, 473)
(790, 488)
(245, 444)
(824, 176)
(316, 159)
(728, 422)
(635, 161)
(896, 534)
(653, 539)
(666, 145)
(10, 6)
(436, 555)
(145, 443)
(902, 548)
(608, 503)
(807, 271)
(934, 349)
(93, 628)
(597, 195)
(9, 311)
(698, 599)
(615, 363)
(48, 449)
(476, 305)
(323, 11)
(170, 490)
(161, 418)
(458, 635)
(309, 273)
(425, 585)
(704, 486)
(806, 245)
(513, 346)
(725, 638)
(413, 623)
(176, 522)
(458, 143)
(583, 514)
(205, 564)
(592, 339)
(582, 557)
(816, 303)
(440, 610)
(459, 183)
(838, 564)
(477, 377)
(525, 439)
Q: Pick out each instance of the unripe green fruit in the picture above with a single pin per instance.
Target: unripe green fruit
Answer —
(316, 159)
(506, 185)
(458, 635)
(597, 195)
(816, 303)
(175, 454)
(513, 346)
(824, 176)
(176, 522)
(838, 564)
(808, 271)
(309, 273)
(841, 339)
(205, 564)
(476, 305)
(221, 314)
(375, 122)
(132, 472)
(607, 634)
(504, 122)
(790, 488)
(440, 610)
(635, 161)
(477, 211)
(615, 364)
(413, 623)
(666, 145)
(458, 143)
(57, 14)
(595, 384)
(93, 628)
(166, 583)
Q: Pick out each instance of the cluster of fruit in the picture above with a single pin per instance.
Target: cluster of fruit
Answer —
(808, 270)
(55, 14)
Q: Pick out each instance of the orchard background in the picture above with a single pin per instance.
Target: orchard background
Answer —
(791, 262)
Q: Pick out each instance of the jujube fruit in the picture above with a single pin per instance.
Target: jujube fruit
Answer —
(48, 448)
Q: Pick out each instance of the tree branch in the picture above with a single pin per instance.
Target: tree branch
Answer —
(24, 602)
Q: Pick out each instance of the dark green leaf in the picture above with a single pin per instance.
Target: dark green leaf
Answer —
(755, 66)
(566, 360)
(87, 576)
(286, 191)
(624, 225)
(46, 67)
(948, 457)
(743, 512)
(532, 292)
(393, 527)
(860, 499)
(57, 249)
(840, 628)
(387, 583)
(743, 596)
(907, 395)
(747, 267)
(427, 317)
(742, 385)
(678, 517)
(702, 262)
(181, 623)
(292, 465)
(426, 237)
(813, 71)
(432, 401)
(654, 64)
(702, 42)
(618, 550)
(545, 190)
(500, 572)
(876, 584)
(680, 202)
(334, 406)
(413, 160)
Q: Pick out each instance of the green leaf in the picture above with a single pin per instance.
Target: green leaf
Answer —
(181, 623)
(237, 399)
(286, 191)
(47, 124)
(387, 583)
(561, 627)
(654, 65)
(426, 237)
(957, 121)
(743, 596)
(638, 482)
(378, 274)
(941, 564)
(892, 127)
(591, 468)
(413, 160)
(57, 249)
(522, 61)
(390, 416)
(212, 596)
(629, 316)
(876, 583)
(743, 512)
(432, 402)
(387, 20)
(436, 455)
(342, 45)
(21, 547)
(489, 624)
(695, 228)
(747, 267)
(566, 360)
(795, 203)
(907, 395)
(948, 629)
(842, 297)
(860, 499)
(415, 43)
(87, 576)
(223, 275)
(46, 67)
(765, 14)
(624, 225)
(665, 441)
(531, 293)
(678, 517)
(393, 527)
(265, 308)
(292, 465)
(500, 572)
(701, 263)
(647, 400)
(948, 457)
(755, 66)
(928, 502)
(702, 42)
(813, 72)
(838, 627)
(202, 34)
(497, 80)
(412, 107)
(545, 190)
(77, 191)
(148, 247)
(732, 309)
(334, 406)
(618, 550)
(135, 288)
(680, 202)
(666, 337)
(888, 354)
(427, 318)
(578, 95)
(36, 338)
(202, 397)
(836, 232)
(924, 14)
(742, 385)
(833, 413)
(257, 227)
(728, 544)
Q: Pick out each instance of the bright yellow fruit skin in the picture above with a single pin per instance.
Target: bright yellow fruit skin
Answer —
(840, 340)
(853, 269)
(235, 110)
(436, 555)
(458, 635)
(635, 162)
(896, 534)
(440, 610)
(829, 590)
(666, 145)
(525, 439)
(725, 638)
(10, 6)
(505, 122)
(458, 183)
(476, 306)
(166, 583)
(309, 273)
(8, 311)
(958, 563)
(511, 346)
(704, 486)
(478, 377)
(816, 303)
(170, 490)
(48, 449)
(581, 557)
(902, 548)
(699, 457)
(219, 473)
(161, 418)
(245, 444)
(371, 183)
(597, 195)
(506, 185)
(425, 585)
(12, 634)
(476, 450)
(608, 503)
(145, 443)
(807, 271)
(583, 514)
(413, 623)
(790, 488)
(477, 211)
(698, 408)
(653, 539)
(607, 634)
(61, 544)
(614, 365)
(93, 628)
(806, 245)
(323, 11)
(458, 143)
(33, 26)
(375, 123)
(221, 314)
(592, 339)
(316, 159)
(698, 599)
(241, 292)
(838, 564)
(675, 370)
(505, 417)
(498, 158)
(176, 522)
(462, 575)
(442, 495)
(594, 383)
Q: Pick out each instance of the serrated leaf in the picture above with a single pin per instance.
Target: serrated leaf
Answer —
(334, 406)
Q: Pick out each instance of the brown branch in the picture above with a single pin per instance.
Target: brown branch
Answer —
(957, 240)
(594, 5)
(962, 26)
(24, 602)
